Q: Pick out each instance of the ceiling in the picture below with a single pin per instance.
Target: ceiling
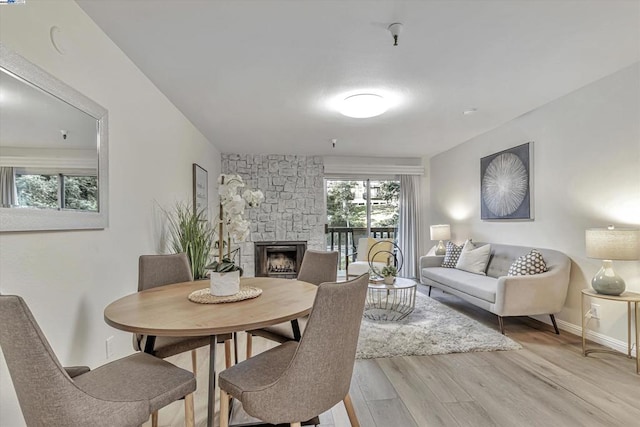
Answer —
(33, 118)
(264, 76)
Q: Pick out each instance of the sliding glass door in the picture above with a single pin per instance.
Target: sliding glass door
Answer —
(360, 208)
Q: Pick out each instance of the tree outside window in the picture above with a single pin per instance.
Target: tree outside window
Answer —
(57, 191)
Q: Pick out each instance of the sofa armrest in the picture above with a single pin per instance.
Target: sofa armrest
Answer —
(543, 293)
(431, 261)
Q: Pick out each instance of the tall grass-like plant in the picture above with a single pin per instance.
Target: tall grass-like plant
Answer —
(190, 232)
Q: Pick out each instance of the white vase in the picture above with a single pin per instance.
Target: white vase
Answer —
(388, 280)
(224, 284)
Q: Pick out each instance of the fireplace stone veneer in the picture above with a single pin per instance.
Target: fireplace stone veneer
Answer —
(279, 259)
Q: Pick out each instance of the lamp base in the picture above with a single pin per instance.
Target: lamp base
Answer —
(606, 281)
(440, 249)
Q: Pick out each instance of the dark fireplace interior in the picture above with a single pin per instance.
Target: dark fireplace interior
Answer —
(279, 259)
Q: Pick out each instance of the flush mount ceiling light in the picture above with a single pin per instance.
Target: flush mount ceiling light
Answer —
(364, 105)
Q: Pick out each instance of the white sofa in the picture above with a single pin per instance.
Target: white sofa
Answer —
(500, 294)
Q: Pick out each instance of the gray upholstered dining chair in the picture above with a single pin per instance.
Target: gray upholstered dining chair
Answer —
(298, 381)
(317, 267)
(121, 393)
(160, 270)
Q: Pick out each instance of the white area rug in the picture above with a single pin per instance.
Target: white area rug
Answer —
(433, 328)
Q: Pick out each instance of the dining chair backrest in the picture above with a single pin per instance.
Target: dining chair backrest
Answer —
(319, 267)
(160, 270)
(324, 359)
(46, 393)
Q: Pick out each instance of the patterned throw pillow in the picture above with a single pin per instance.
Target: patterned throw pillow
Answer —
(451, 255)
(531, 263)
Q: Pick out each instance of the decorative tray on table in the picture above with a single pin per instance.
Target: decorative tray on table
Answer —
(203, 296)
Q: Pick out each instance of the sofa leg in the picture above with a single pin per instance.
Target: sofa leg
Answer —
(501, 323)
(555, 325)
(429, 290)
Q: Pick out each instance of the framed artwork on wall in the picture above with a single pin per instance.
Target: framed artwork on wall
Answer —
(506, 184)
(200, 190)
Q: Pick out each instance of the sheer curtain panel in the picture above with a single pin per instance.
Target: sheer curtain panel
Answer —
(409, 224)
(7, 187)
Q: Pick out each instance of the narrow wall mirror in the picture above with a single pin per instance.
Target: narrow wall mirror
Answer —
(53, 152)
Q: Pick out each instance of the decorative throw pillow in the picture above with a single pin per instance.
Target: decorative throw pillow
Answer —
(451, 255)
(531, 263)
(381, 252)
(474, 259)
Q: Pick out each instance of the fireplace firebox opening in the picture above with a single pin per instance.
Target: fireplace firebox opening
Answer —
(279, 259)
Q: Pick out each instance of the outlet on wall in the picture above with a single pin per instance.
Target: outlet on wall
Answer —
(595, 311)
(109, 347)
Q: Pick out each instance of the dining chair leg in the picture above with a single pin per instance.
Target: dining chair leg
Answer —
(189, 415)
(249, 345)
(348, 404)
(235, 348)
(194, 362)
(227, 353)
(154, 419)
(224, 408)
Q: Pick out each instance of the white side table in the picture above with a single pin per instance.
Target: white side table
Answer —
(390, 302)
(629, 298)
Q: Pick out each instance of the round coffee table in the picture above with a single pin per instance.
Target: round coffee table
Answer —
(390, 302)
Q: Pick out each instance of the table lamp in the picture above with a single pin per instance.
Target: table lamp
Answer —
(610, 244)
(440, 232)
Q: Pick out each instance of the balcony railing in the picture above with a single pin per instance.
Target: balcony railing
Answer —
(345, 240)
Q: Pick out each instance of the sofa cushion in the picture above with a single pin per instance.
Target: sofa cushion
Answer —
(474, 259)
(531, 263)
(502, 256)
(482, 287)
(451, 255)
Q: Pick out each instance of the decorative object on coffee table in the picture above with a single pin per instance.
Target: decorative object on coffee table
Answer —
(611, 244)
(506, 184)
(440, 232)
(389, 273)
(389, 251)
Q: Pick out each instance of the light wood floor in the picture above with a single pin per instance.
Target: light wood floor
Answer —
(547, 383)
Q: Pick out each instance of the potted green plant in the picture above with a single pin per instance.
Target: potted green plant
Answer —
(389, 273)
(190, 232)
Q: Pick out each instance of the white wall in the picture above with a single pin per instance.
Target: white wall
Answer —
(586, 174)
(67, 278)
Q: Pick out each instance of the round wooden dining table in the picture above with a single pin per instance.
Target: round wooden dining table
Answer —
(167, 311)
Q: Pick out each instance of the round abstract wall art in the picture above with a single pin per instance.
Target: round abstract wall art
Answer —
(505, 189)
(504, 184)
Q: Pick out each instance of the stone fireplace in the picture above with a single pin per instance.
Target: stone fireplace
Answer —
(294, 205)
(279, 259)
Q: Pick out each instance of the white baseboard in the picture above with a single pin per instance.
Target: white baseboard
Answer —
(597, 337)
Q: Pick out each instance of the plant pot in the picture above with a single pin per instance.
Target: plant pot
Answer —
(224, 284)
(388, 280)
